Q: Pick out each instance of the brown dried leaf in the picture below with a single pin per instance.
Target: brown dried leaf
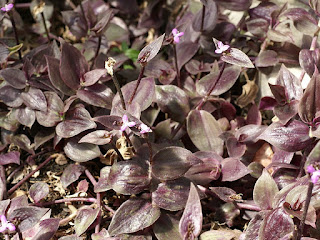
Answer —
(249, 93)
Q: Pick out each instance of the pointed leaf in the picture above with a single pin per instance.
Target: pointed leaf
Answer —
(267, 58)
(171, 163)
(237, 57)
(98, 137)
(233, 169)
(103, 23)
(14, 77)
(10, 96)
(291, 137)
(81, 152)
(209, 19)
(25, 116)
(310, 101)
(34, 99)
(264, 191)
(204, 131)
(287, 111)
(73, 66)
(10, 157)
(133, 215)
(38, 191)
(190, 224)
(167, 227)
(185, 51)
(151, 50)
(91, 77)
(85, 217)
(71, 174)
(47, 228)
(309, 59)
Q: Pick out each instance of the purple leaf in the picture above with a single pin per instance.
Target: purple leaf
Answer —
(129, 177)
(14, 77)
(172, 162)
(237, 57)
(103, 23)
(81, 152)
(97, 95)
(267, 103)
(25, 116)
(85, 217)
(235, 5)
(10, 96)
(47, 228)
(109, 121)
(234, 147)
(77, 121)
(91, 77)
(55, 77)
(42, 137)
(264, 191)
(73, 66)
(259, 27)
(4, 52)
(38, 191)
(71, 174)
(34, 99)
(308, 59)
(167, 227)
(226, 81)
(207, 169)
(143, 98)
(190, 224)
(103, 184)
(287, 111)
(224, 193)
(310, 101)
(209, 20)
(204, 131)
(70, 237)
(52, 115)
(76, 23)
(174, 101)
(10, 157)
(185, 51)
(172, 195)
(194, 67)
(291, 84)
(233, 169)
(23, 142)
(133, 215)
(158, 68)
(151, 50)
(103, 235)
(276, 224)
(98, 137)
(267, 58)
(252, 231)
(291, 137)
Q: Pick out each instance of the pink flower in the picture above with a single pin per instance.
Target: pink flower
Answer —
(144, 128)
(176, 35)
(5, 224)
(7, 7)
(126, 123)
(315, 174)
(221, 48)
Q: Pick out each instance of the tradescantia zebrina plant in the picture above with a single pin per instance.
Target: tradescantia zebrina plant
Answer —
(131, 119)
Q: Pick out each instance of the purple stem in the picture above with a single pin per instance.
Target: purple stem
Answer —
(45, 27)
(202, 17)
(138, 83)
(64, 200)
(97, 227)
(91, 178)
(15, 34)
(97, 51)
(176, 64)
(29, 175)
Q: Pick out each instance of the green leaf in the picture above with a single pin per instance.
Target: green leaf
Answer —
(132, 54)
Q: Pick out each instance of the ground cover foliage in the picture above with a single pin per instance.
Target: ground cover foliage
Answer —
(159, 119)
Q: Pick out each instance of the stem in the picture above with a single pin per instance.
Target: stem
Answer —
(202, 17)
(91, 178)
(65, 200)
(203, 100)
(97, 227)
(176, 64)
(97, 51)
(117, 151)
(305, 211)
(106, 207)
(138, 83)
(45, 26)
(117, 85)
(15, 34)
(84, 15)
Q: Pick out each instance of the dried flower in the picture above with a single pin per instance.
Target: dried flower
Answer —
(109, 65)
(144, 128)
(7, 7)
(126, 123)
(176, 35)
(221, 48)
(315, 174)
(39, 8)
(5, 224)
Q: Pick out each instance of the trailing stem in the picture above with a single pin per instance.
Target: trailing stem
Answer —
(15, 34)
(204, 99)
(138, 83)
(176, 64)
(299, 232)
(202, 17)
(97, 51)
(45, 26)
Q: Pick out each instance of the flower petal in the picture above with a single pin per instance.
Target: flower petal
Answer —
(176, 39)
(131, 124)
(11, 227)
(123, 128)
(125, 119)
(174, 31)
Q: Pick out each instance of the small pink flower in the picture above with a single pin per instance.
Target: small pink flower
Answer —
(7, 7)
(5, 224)
(176, 35)
(221, 48)
(126, 123)
(144, 128)
(315, 174)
